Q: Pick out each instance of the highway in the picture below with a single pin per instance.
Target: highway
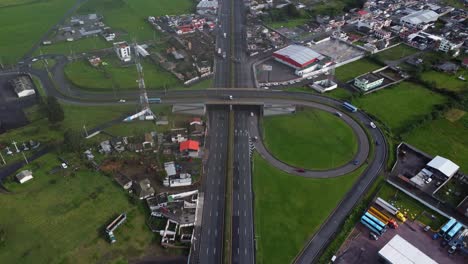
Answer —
(243, 249)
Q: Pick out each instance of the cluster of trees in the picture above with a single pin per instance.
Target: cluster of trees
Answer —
(283, 14)
(52, 109)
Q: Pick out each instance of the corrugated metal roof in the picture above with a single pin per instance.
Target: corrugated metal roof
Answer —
(421, 16)
(299, 54)
(400, 251)
(444, 165)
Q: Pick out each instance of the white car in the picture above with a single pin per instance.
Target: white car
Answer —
(64, 165)
(310, 78)
(122, 101)
(275, 83)
(251, 114)
(372, 125)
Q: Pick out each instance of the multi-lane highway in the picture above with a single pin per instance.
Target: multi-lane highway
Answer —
(243, 249)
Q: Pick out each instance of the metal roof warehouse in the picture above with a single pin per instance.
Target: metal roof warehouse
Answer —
(297, 56)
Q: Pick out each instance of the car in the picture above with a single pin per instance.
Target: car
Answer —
(122, 101)
(427, 228)
(300, 170)
(33, 60)
(428, 180)
(310, 78)
(373, 236)
(372, 125)
(64, 165)
(251, 114)
(377, 143)
(275, 83)
(266, 88)
(355, 162)
(230, 97)
(254, 138)
(338, 114)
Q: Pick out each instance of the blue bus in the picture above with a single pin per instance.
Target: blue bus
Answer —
(453, 232)
(377, 221)
(375, 227)
(350, 107)
(372, 229)
(154, 100)
(447, 226)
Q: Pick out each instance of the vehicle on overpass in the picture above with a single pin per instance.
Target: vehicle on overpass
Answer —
(383, 217)
(390, 208)
(154, 100)
(350, 107)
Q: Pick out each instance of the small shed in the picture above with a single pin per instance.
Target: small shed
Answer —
(24, 176)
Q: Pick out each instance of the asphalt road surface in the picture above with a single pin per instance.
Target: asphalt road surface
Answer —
(243, 250)
(210, 248)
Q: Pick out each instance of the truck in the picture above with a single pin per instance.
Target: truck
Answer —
(390, 208)
(383, 217)
(457, 242)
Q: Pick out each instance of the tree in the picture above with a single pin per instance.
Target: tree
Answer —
(73, 140)
(292, 11)
(55, 112)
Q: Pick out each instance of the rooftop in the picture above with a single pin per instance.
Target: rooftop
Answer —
(446, 166)
(398, 250)
(421, 16)
(298, 55)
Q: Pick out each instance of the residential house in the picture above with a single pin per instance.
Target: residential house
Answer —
(123, 180)
(24, 176)
(144, 189)
(190, 148)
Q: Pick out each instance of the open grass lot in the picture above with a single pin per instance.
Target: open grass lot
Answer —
(57, 219)
(311, 139)
(291, 23)
(397, 106)
(447, 81)
(130, 16)
(396, 53)
(74, 47)
(351, 70)
(412, 208)
(445, 138)
(113, 75)
(289, 209)
(23, 23)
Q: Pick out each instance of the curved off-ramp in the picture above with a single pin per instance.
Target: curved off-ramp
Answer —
(360, 156)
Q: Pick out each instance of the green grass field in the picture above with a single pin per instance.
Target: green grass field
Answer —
(396, 53)
(57, 219)
(351, 70)
(74, 47)
(399, 105)
(447, 81)
(130, 16)
(23, 23)
(311, 139)
(110, 76)
(289, 209)
(445, 138)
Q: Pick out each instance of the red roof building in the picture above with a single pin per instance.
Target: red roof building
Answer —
(189, 145)
(297, 56)
(465, 62)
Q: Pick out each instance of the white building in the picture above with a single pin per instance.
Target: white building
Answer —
(398, 251)
(123, 51)
(23, 86)
(419, 19)
(24, 176)
(445, 166)
(368, 82)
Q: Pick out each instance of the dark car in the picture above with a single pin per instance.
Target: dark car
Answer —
(356, 162)
(300, 170)
(373, 236)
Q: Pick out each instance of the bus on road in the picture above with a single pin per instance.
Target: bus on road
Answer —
(350, 107)
(447, 226)
(154, 100)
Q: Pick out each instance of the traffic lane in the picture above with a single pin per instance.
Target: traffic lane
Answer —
(213, 184)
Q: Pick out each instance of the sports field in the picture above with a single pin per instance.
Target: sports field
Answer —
(354, 69)
(23, 22)
(74, 47)
(443, 137)
(114, 76)
(311, 139)
(57, 219)
(289, 209)
(397, 106)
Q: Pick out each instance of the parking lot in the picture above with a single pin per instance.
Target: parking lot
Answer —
(359, 248)
(337, 50)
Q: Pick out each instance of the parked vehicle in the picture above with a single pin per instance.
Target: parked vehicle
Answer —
(372, 125)
(338, 114)
(390, 208)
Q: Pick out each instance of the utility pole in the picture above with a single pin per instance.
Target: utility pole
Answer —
(86, 131)
(26, 159)
(1, 156)
(16, 147)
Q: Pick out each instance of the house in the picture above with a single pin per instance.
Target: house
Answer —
(183, 179)
(447, 67)
(144, 189)
(105, 147)
(123, 180)
(190, 148)
(368, 82)
(24, 176)
(95, 61)
(88, 154)
(23, 86)
(420, 19)
(162, 121)
(170, 168)
(123, 51)
(382, 34)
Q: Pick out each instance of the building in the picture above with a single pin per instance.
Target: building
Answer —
(398, 251)
(170, 169)
(190, 148)
(297, 56)
(144, 189)
(123, 51)
(183, 179)
(207, 7)
(443, 165)
(368, 82)
(419, 19)
(382, 34)
(446, 46)
(23, 86)
(123, 180)
(149, 141)
(24, 176)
